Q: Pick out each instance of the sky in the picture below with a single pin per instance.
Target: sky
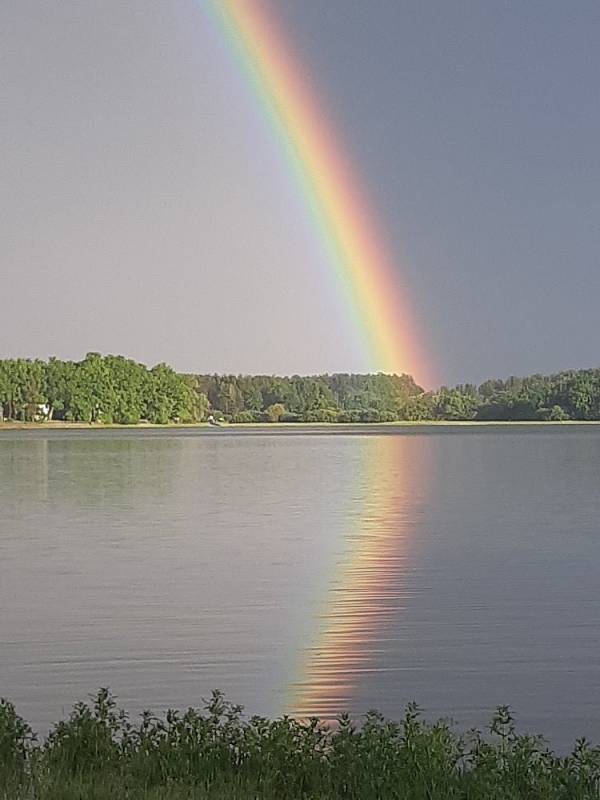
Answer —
(147, 207)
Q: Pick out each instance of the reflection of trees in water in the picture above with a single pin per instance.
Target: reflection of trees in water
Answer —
(24, 469)
(115, 470)
(91, 471)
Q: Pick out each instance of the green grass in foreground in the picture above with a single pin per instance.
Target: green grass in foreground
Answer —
(98, 754)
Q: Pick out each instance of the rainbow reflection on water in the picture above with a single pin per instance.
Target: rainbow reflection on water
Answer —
(371, 584)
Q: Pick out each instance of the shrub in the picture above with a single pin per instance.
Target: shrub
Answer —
(214, 752)
(320, 415)
(274, 412)
(246, 416)
(558, 414)
(16, 743)
(350, 415)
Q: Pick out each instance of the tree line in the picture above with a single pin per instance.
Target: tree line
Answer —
(115, 389)
(109, 389)
(567, 395)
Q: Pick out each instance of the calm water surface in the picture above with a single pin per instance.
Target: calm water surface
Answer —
(305, 572)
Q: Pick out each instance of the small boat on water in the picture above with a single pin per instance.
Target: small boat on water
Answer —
(212, 421)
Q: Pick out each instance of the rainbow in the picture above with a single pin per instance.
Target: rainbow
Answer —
(372, 583)
(361, 260)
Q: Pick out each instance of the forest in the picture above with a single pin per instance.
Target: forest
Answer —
(108, 389)
(114, 389)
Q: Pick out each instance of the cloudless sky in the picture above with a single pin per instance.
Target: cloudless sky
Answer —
(147, 210)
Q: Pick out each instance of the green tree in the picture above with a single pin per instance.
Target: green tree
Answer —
(454, 404)
(60, 378)
(558, 414)
(274, 412)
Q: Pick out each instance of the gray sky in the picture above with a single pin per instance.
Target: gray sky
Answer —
(147, 210)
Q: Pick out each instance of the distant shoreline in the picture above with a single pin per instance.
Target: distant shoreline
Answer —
(98, 426)
(116, 390)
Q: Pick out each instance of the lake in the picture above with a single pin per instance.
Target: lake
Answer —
(305, 571)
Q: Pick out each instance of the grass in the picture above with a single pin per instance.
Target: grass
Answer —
(217, 754)
(11, 425)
